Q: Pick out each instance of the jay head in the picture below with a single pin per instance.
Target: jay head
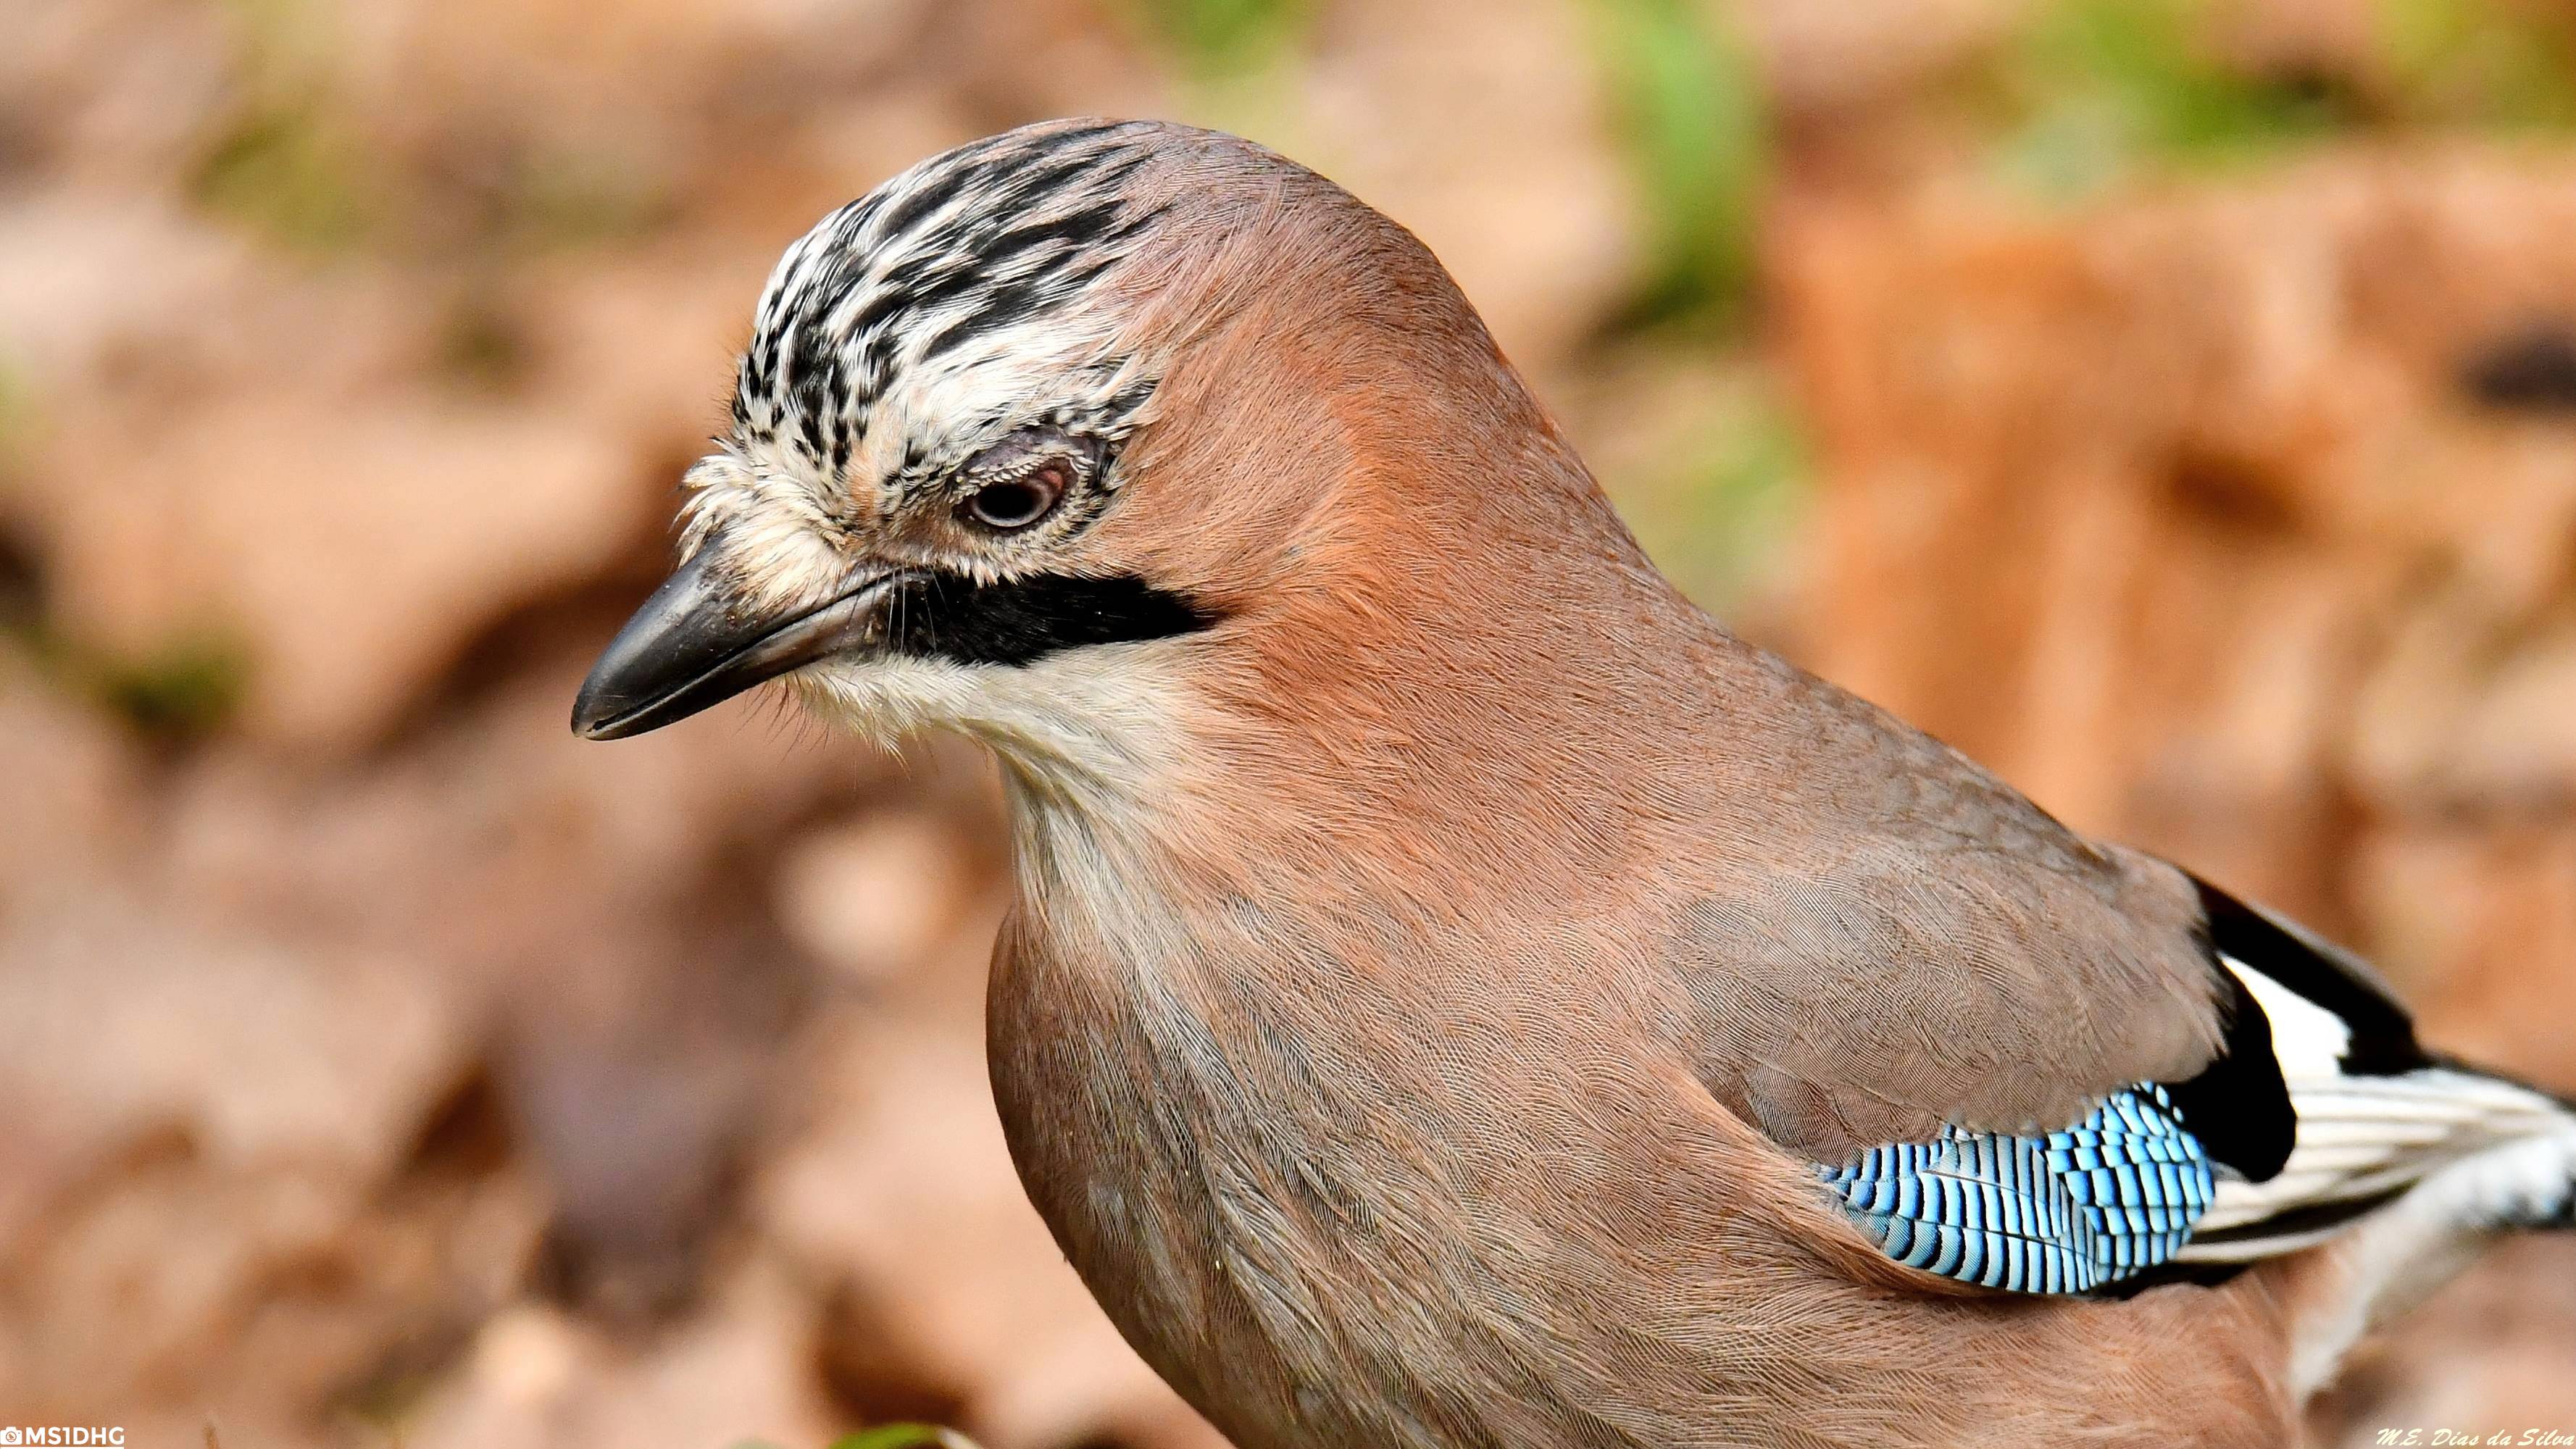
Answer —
(1459, 995)
(1146, 459)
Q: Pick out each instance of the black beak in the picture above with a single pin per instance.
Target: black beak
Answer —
(695, 643)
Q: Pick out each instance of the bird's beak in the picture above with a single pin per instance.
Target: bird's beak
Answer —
(696, 642)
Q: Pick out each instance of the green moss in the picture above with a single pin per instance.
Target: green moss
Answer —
(187, 689)
(286, 162)
(183, 690)
(285, 170)
(2103, 86)
(2097, 90)
(904, 1436)
(1219, 38)
(293, 164)
(2486, 63)
(1718, 505)
(1697, 139)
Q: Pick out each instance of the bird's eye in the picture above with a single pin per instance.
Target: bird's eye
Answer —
(1010, 504)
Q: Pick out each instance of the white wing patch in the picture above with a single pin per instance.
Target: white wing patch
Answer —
(2308, 1040)
(2360, 1138)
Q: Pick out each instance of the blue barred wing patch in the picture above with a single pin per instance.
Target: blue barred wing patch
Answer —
(2067, 1212)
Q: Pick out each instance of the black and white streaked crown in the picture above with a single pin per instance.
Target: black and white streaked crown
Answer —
(957, 287)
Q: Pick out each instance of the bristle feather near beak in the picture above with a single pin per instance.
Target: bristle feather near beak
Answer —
(695, 643)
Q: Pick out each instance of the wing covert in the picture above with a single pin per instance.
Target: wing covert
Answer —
(2062, 1212)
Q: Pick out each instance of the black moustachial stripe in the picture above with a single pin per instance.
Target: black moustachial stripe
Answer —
(1015, 621)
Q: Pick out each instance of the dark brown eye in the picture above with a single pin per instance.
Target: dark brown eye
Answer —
(1015, 503)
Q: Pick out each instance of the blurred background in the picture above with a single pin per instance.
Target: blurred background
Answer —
(2171, 402)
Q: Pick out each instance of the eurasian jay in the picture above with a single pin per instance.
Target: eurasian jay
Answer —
(1459, 995)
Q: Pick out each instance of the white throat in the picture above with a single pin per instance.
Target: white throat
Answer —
(1095, 731)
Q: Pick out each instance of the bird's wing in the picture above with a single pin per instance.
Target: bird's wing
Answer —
(1879, 939)
(2024, 1069)
(2374, 1113)
(2315, 1107)
(2071, 1211)
(2024, 1059)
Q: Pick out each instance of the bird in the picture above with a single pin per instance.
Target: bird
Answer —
(1459, 994)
